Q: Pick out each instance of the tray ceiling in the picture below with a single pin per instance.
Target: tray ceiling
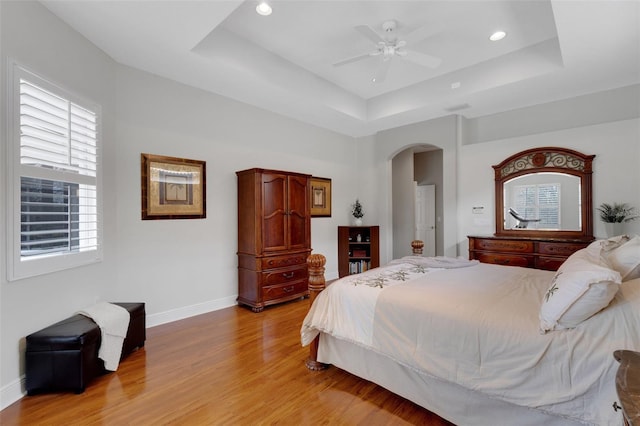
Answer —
(284, 62)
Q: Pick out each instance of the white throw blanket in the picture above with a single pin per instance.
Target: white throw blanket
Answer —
(113, 321)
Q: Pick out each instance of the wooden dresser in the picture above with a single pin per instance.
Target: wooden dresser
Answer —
(274, 237)
(539, 253)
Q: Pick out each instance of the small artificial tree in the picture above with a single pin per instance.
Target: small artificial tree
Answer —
(356, 210)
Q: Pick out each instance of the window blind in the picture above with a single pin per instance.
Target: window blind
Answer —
(56, 133)
(58, 178)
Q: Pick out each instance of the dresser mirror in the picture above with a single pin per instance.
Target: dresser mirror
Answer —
(545, 192)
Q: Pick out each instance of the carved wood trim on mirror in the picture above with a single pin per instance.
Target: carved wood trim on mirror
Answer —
(563, 163)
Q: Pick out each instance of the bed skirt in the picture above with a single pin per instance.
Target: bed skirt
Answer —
(448, 400)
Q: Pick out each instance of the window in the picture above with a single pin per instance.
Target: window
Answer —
(54, 178)
(539, 201)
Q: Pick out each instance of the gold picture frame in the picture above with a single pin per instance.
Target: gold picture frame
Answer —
(320, 197)
(172, 188)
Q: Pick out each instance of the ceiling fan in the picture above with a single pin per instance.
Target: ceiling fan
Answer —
(388, 47)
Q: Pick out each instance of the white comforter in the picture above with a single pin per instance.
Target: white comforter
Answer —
(478, 326)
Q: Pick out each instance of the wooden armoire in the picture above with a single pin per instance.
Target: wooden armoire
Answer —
(274, 237)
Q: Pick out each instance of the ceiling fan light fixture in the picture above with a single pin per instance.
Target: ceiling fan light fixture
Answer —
(263, 8)
(386, 48)
(497, 36)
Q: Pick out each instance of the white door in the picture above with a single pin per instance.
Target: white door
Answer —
(425, 202)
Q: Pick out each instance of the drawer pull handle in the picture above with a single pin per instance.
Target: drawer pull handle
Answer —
(504, 261)
(287, 289)
(288, 275)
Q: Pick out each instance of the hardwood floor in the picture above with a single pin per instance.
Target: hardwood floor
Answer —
(227, 367)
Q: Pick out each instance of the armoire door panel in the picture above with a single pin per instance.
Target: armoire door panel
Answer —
(274, 232)
(274, 212)
(299, 232)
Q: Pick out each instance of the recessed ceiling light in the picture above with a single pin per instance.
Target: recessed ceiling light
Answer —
(263, 8)
(498, 35)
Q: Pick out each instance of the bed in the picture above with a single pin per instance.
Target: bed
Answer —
(477, 343)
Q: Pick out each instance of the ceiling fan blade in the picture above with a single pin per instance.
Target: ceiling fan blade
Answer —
(422, 33)
(353, 59)
(423, 59)
(382, 71)
(369, 33)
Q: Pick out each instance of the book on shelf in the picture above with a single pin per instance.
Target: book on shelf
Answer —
(357, 267)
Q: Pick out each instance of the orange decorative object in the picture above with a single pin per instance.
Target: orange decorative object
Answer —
(315, 263)
(416, 246)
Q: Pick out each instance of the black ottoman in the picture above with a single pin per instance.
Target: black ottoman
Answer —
(137, 331)
(64, 356)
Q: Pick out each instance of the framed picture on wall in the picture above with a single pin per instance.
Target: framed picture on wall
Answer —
(320, 197)
(172, 188)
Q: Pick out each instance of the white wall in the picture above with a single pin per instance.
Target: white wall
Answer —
(178, 267)
(402, 201)
(428, 171)
(616, 171)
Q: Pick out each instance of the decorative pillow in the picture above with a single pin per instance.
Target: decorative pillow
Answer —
(580, 288)
(626, 259)
(599, 250)
(613, 243)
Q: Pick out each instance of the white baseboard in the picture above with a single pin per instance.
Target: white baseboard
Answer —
(12, 393)
(189, 311)
(16, 390)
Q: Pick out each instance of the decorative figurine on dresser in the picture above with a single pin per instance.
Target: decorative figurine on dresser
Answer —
(544, 209)
(274, 237)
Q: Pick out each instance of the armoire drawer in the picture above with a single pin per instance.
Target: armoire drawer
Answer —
(285, 290)
(272, 262)
(284, 275)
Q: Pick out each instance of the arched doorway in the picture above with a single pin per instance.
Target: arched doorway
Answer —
(415, 166)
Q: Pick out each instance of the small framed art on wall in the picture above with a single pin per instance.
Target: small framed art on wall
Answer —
(172, 188)
(320, 197)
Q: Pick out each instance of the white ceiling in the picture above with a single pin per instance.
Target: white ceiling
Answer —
(554, 49)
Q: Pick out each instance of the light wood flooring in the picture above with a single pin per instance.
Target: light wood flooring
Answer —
(228, 367)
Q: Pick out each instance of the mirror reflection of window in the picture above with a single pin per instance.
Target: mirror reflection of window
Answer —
(539, 203)
(553, 198)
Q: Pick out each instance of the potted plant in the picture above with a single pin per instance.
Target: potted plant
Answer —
(357, 212)
(614, 215)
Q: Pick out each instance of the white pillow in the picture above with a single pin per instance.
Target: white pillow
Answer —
(626, 259)
(599, 250)
(582, 287)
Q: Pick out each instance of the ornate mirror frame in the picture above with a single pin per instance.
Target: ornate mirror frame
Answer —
(547, 159)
